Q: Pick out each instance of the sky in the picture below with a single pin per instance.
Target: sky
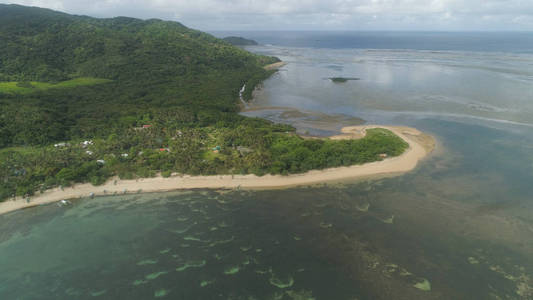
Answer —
(212, 15)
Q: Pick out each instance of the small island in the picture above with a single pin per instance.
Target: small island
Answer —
(342, 79)
(240, 41)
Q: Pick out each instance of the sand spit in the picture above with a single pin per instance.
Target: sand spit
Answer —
(275, 66)
(420, 145)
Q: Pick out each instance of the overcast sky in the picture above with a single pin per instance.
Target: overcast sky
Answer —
(313, 14)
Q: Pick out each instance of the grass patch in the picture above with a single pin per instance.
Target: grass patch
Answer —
(14, 87)
(210, 155)
(19, 150)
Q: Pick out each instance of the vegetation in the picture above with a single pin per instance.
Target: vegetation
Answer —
(14, 87)
(342, 79)
(240, 41)
(85, 99)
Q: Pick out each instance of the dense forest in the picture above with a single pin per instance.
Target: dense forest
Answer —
(84, 99)
(240, 41)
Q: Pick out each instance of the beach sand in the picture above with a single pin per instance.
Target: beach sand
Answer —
(420, 145)
(275, 66)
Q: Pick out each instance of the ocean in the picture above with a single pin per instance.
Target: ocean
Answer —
(458, 227)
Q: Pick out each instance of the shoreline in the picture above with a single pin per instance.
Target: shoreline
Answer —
(275, 66)
(420, 145)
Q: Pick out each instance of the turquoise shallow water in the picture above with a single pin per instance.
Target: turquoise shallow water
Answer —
(461, 222)
(458, 227)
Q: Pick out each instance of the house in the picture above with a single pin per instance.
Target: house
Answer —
(164, 150)
(217, 148)
(146, 126)
(89, 152)
(61, 145)
(85, 144)
(124, 155)
(244, 150)
(101, 162)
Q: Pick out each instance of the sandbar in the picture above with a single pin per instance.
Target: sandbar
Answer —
(275, 66)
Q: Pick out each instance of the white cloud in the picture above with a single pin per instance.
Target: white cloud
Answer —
(314, 14)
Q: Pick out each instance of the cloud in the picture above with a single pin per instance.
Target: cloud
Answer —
(314, 14)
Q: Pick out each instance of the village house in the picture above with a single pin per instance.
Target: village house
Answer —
(86, 144)
(61, 145)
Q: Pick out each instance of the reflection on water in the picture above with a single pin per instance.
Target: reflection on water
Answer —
(483, 85)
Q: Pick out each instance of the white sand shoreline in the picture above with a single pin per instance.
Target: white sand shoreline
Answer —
(420, 145)
(274, 66)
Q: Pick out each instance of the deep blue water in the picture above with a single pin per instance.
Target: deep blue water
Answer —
(511, 42)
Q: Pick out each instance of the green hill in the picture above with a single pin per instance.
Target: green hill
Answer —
(240, 41)
(152, 64)
(151, 96)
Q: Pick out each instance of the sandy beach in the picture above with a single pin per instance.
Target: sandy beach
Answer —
(420, 145)
(275, 66)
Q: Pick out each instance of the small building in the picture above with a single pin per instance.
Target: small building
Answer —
(146, 126)
(101, 162)
(89, 152)
(124, 155)
(86, 144)
(61, 145)
(217, 148)
(244, 150)
(383, 155)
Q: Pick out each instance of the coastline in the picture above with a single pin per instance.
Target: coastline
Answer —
(274, 66)
(420, 145)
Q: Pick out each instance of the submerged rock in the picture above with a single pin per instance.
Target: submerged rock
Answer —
(424, 285)
(473, 260)
(205, 283)
(191, 264)
(232, 270)
(389, 220)
(280, 283)
(147, 262)
(98, 293)
(245, 248)
(183, 230)
(161, 293)
(165, 251)
(139, 282)
(301, 295)
(222, 242)
(363, 208)
(326, 225)
(155, 275)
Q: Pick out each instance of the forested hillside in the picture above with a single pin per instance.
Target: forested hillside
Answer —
(153, 65)
(146, 96)
(239, 41)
